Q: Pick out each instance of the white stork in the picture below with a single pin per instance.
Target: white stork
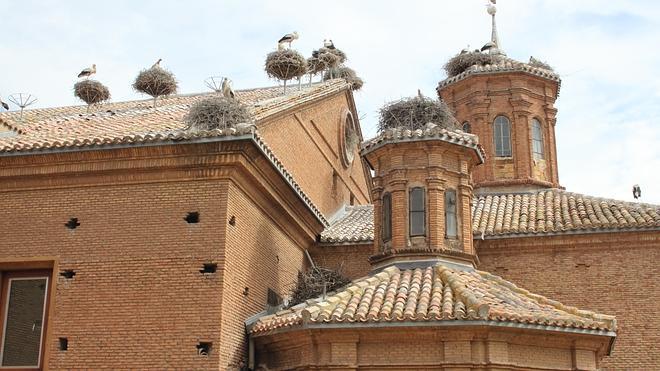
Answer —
(157, 64)
(227, 91)
(87, 72)
(4, 105)
(287, 39)
(637, 191)
(489, 45)
(327, 43)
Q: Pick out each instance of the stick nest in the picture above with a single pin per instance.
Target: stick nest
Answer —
(314, 65)
(415, 113)
(91, 91)
(540, 64)
(217, 113)
(155, 82)
(461, 62)
(346, 73)
(311, 284)
(285, 64)
(341, 56)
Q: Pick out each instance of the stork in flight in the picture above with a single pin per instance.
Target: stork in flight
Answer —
(287, 39)
(637, 191)
(157, 64)
(227, 90)
(87, 72)
(329, 44)
(4, 104)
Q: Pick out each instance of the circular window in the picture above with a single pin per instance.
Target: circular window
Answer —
(350, 139)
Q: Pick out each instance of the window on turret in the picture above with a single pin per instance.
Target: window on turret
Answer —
(466, 127)
(451, 222)
(502, 135)
(417, 207)
(537, 139)
(387, 217)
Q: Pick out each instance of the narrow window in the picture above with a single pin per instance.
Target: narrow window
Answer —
(537, 139)
(23, 302)
(466, 127)
(387, 217)
(502, 135)
(451, 225)
(417, 206)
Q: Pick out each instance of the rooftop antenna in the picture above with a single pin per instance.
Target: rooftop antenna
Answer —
(492, 10)
(214, 83)
(22, 100)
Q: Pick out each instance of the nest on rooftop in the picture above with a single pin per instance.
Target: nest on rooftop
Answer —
(91, 91)
(329, 60)
(217, 112)
(540, 64)
(461, 62)
(346, 73)
(285, 64)
(155, 82)
(414, 113)
(315, 282)
(314, 65)
(341, 56)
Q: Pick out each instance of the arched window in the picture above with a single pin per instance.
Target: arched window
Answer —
(502, 135)
(537, 139)
(417, 208)
(387, 217)
(451, 222)
(466, 127)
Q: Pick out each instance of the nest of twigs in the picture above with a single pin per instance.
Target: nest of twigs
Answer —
(155, 82)
(346, 73)
(540, 64)
(314, 65)
(316, 282)
(217, 113)
(91, 91)
(285, 64)
(461, 62)
(341, 56)
(415, 113)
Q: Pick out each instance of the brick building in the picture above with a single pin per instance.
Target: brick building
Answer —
(131, 242)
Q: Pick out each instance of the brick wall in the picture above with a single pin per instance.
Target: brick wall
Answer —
(613, 274)
(352, 259)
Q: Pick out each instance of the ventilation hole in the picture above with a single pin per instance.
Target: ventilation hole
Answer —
(68, 273)
(204, 348)
(209, 268)
(72, 223)
(64, 344)
(232, 220)
(246, 291)
(192, 217)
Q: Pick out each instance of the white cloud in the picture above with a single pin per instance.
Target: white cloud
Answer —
(607, 132)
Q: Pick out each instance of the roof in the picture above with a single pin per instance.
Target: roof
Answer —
(554, 211)
(435, 295)
(355, 224)
(504, 65)
(430, 132)
(538, 213)
(135, 122)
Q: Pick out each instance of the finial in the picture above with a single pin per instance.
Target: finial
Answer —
(492, 10)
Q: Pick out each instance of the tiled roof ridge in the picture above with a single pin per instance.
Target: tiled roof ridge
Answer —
(429, 132)
(504, 65)
(434, 293)
(563, 191)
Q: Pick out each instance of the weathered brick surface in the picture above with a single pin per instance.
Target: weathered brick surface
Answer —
(353, 260)
(613, 273)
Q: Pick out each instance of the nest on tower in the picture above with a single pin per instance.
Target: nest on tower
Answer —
(316, 282)
(314, 65)
(341, 56)
(285, 64)
(540, 64)
(461, 62)
(414, 113)
(91, 91)
(217, 113)
(155, 82)
(346, 73)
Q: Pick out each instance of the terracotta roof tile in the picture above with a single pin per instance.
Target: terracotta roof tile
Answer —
(434, 294)
(549, 211)
(131, 122)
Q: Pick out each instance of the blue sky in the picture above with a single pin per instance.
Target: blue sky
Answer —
(608, 130)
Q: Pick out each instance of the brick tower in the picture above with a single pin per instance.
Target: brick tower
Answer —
(509, 105)
(422, 194)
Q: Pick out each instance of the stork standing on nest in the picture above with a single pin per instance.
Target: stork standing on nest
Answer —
(4, 104)
(637, 191)
(87, 72)
(227, 90)
(287, 39)
(157, 64)
(329, 44)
